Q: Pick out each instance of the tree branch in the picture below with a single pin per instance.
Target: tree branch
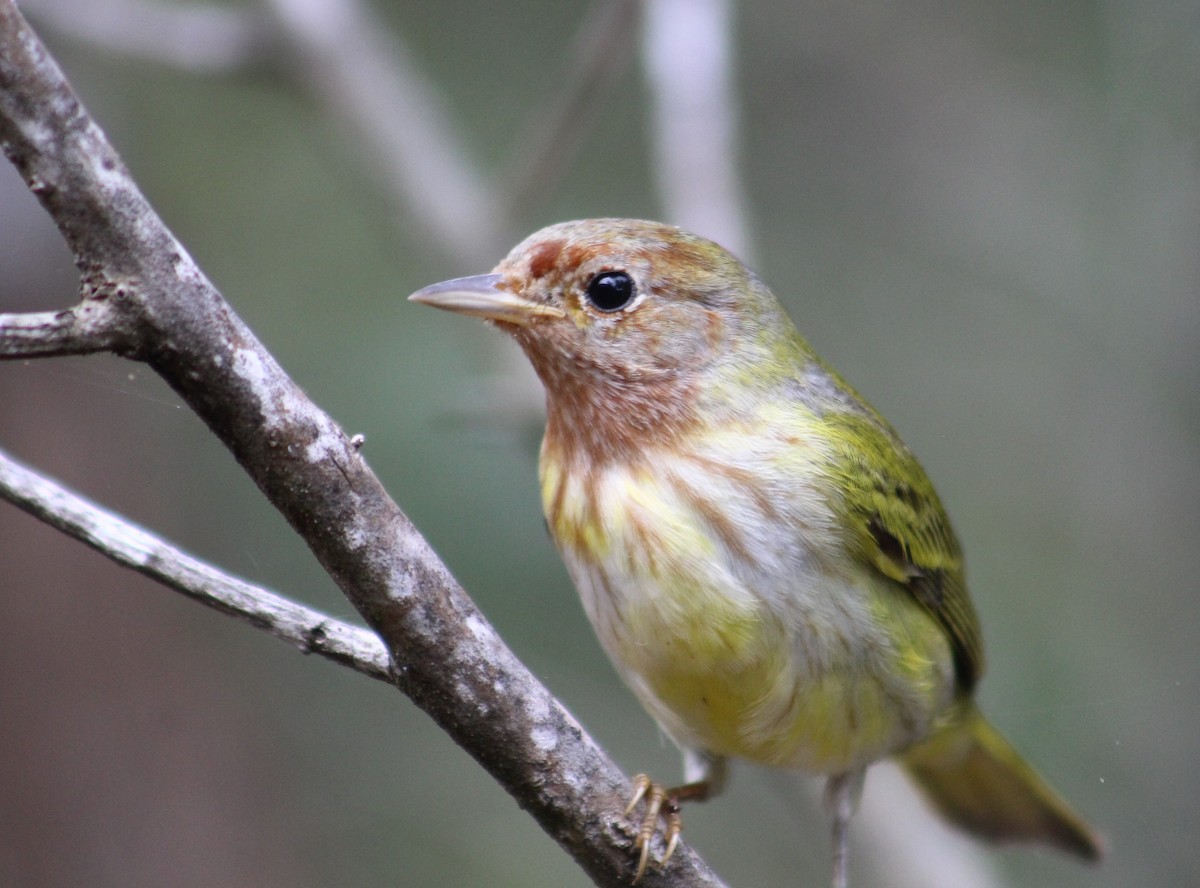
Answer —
(161, 309)
(129, 545)
(82, 331)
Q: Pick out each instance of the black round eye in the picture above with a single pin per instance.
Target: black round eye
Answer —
(611, 290)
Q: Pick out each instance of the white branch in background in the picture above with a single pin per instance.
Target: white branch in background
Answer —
(199, 37)
(365, 77)
(127, 544)
(687, 52)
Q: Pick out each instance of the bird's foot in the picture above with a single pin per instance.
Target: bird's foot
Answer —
(660, 802)
(664, 803)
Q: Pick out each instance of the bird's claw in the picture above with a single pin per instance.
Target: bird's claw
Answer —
(660, 802)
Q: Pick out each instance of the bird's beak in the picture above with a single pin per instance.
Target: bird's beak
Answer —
(482, 296)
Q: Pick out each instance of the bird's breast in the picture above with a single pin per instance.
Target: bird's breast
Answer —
(718, 588)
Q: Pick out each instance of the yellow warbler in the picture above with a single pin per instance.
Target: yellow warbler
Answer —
(763, 559)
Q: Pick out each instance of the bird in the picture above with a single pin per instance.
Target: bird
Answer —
(764, 561)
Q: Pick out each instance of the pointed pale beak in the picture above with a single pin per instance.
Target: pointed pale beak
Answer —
(481, 296)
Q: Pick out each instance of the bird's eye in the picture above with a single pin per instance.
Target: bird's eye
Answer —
(611, 290)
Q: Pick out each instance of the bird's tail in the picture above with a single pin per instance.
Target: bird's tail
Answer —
(975, 778)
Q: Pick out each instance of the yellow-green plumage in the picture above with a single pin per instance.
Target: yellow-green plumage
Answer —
(762, 558)
(749, 636)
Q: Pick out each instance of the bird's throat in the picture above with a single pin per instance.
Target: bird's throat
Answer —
(601, 416)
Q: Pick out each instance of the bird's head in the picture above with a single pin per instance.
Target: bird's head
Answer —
(629, 324)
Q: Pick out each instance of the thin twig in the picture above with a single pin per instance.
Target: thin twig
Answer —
(127, 544)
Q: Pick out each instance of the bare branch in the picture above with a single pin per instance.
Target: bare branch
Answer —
(127, 544)
(445, 656)
(81, 331)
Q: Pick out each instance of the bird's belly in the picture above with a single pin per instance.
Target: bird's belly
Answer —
(740, 644)
(731, 677)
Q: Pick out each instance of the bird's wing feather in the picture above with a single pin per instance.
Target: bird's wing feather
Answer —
(898, 525)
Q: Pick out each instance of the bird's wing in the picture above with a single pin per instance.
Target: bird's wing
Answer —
(898, 525)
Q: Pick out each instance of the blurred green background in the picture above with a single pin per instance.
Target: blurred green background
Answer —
(986, 216)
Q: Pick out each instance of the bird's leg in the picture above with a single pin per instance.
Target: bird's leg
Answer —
(704, 775)
(842, 793)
